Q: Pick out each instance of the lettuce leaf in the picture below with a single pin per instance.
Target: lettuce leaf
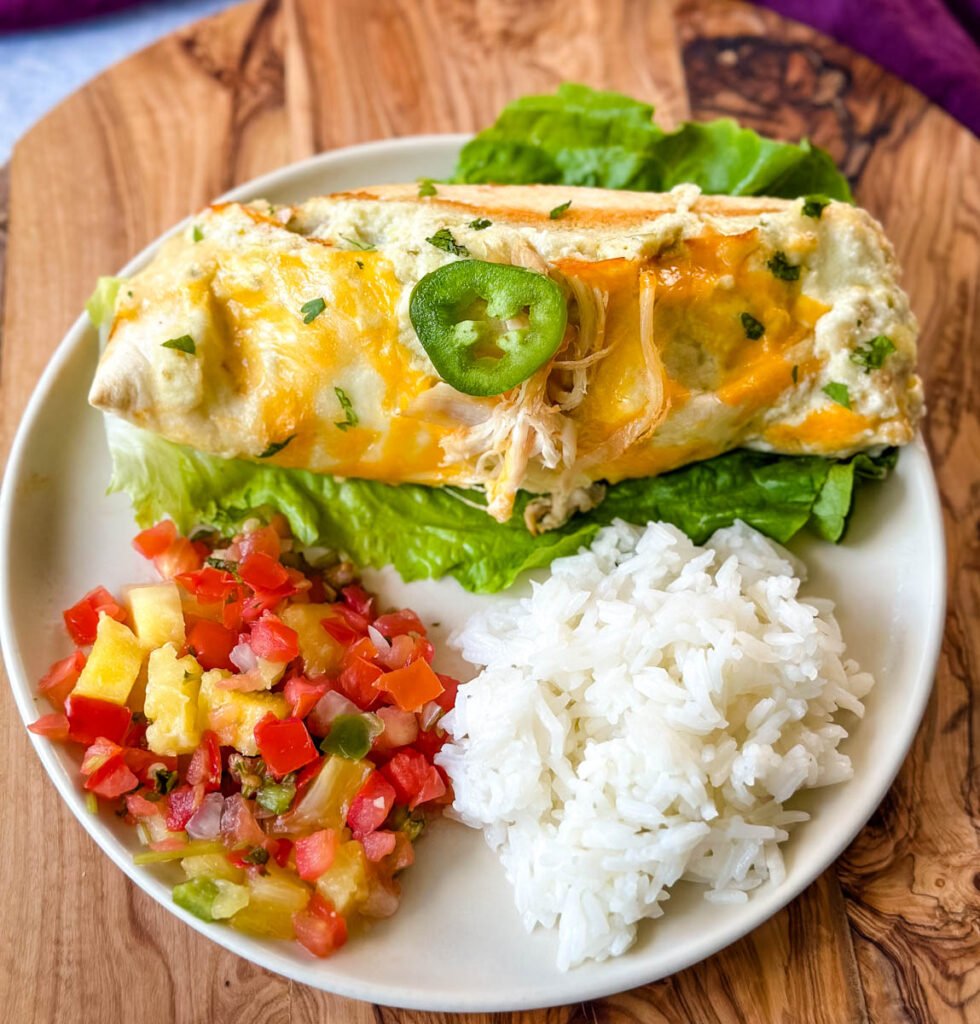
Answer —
(433, 532)
(581, 136)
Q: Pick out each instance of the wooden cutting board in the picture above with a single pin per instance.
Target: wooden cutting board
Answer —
(892, 932)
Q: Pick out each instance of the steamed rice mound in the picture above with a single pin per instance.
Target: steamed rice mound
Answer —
(643, 717)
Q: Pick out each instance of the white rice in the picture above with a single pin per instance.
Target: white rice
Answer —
(643, 717)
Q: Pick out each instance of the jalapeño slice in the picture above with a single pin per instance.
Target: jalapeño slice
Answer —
(487, 326)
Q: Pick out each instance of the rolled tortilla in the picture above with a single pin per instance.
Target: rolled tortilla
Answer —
(696, 324)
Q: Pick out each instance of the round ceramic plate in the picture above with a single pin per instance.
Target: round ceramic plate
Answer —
(456, 942)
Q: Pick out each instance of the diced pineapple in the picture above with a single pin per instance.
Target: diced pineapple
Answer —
(113, 665)
(231, 899)
(270, 671)
(273, 899)
(345, 884)
(321, 653)
(234, 715)
(157, 615)
(172, 691)
(212, 865)
(327, 799)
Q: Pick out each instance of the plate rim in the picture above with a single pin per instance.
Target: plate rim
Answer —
(756, 912)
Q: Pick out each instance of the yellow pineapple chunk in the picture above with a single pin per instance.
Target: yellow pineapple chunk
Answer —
(234, 715)
(157, 615)
(273, 899)
(345, 884)
(212, 865)
(321, 654)
(113, 665)
(172, 690)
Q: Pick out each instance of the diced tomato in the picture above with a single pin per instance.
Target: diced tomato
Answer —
(182, 803)
(264, 540)
(139, 807)
(399, 623)
(358, 600)
(315, 853)
(145, 764)
(112, 779)
(319, 927)
(182, 556)
(237, 859)
(90, 718)
(232, 611)
(82, 619)
(303, 694)
(363, 648)
(357, 682)
(205, 766)
(60, 679)
(207, 584)
(371, 805)
(264, 574)
(136, 733)
(378, 844)
(52, 727)
(211, 644)
(273, 640)
(98, 752)
(447, 699)
(414, 779)
(355, 620)
(340, 631)
(154, 541)
(281, 849)
(284, 744)
(257, 605)
(411, 686)
(430, 741)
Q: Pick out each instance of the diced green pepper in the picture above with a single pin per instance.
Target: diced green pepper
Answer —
(277, 796)
(487, 326)
(349, 736)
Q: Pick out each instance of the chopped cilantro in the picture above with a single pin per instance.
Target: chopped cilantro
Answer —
(257, 855)
(839, 393)
(312, 309)
(426, 187)
(796, 375)
(813, 206)
(559, 210)
(872, 354)
(276, 447)
(443, 239)
(355, 243)
(754, 329)
(185, 343)
(782, 268)
(480, 224)
(348, 407)
(198, 233)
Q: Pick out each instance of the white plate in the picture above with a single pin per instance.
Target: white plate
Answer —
(456, 943)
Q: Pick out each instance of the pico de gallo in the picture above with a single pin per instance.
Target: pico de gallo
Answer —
(257, 718)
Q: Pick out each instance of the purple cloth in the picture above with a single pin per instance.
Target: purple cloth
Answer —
(930, 44)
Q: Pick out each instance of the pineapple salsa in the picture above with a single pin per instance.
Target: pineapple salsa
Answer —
(257, 720)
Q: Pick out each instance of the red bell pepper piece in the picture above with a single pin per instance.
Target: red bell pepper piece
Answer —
(154, 541)
(447, 699)
(265, 575)
(284, 744)
(82, 619)
(205, 766)
(303, 694)
(145, 764)
(315, 853)
(359, 681)
(182, 804)
(281, 849)
(60, 679)
(211, 644)
(371, 805)
(90, 718)
(273, 640)
(414, 780)
(52, 727)
(319, 927)
(359, 623)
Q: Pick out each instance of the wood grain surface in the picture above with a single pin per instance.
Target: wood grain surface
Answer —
(892, 933)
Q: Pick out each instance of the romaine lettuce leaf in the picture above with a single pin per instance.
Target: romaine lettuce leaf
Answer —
(434, 532)
(580, 136)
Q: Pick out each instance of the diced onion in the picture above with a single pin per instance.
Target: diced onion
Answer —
(243, 658)
(429, 715)
(381, 644)
(206, 820)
